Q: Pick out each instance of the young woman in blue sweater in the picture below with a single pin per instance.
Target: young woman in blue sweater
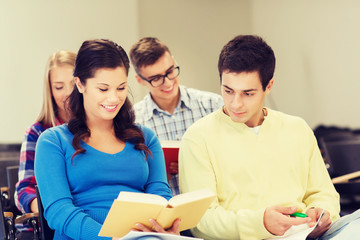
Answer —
(82, 166)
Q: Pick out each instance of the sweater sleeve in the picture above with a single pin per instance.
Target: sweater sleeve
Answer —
(320, 191)
(59, 210)
(156, 183)
(196, 172)
(25, 187)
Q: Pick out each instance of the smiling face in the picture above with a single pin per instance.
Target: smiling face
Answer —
(62, 84)
(170, 89)
(104, 94)
(244, 97)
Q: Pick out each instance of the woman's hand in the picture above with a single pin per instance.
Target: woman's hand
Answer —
(174, 229)
(34, 206)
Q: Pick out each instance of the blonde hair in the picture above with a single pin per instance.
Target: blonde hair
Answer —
(48, 111)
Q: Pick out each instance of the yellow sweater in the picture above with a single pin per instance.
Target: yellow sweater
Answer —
(282, 165)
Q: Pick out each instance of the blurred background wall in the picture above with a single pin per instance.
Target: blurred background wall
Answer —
(316, 44)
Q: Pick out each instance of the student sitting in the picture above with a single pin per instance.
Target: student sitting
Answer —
(82, 166)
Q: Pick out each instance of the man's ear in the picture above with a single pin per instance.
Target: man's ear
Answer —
(79, 85)
(139, 80)
(269, 86)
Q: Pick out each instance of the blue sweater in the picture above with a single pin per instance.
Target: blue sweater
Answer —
(77, 195)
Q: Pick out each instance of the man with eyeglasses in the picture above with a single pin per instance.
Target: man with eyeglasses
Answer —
(169, 108)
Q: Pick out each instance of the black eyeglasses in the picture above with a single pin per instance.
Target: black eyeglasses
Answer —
(159, 80)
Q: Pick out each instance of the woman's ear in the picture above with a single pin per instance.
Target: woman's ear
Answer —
(79, 85)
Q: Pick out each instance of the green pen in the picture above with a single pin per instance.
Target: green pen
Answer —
(298, 214)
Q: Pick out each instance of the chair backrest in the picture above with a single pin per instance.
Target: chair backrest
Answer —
(12, 178)
(46, 232)
(2, 224)
(9, 156)
(7, 229)
(6, 161)
(343, 155)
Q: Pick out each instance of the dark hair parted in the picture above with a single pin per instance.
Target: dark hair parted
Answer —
(146, 52)
(248, 53)
(92, 56)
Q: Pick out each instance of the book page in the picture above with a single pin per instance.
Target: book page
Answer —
(190, 208)
(142, 198)
(191, 196)
(161, 236)
(123, 216)
(298, 232)
(131, 208)
(190, 214)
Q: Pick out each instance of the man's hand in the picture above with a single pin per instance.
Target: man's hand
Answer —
(277, 220)
(323, 225)
(174, 167)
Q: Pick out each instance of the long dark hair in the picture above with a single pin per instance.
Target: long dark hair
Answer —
(92, 56)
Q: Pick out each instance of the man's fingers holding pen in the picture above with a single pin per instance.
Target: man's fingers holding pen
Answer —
(277, 220)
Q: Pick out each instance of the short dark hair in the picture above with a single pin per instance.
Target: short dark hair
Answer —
(146, 52)
(248, 53)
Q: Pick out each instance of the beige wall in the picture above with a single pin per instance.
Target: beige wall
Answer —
(32, 30)
(195, 32)
(318, 65)
(316, 44)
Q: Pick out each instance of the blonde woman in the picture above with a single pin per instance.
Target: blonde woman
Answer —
(58, 84)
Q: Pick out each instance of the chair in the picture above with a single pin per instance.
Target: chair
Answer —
(5, 198)
(12, 178)
(31, 219)
(343, 156)
(7, 230)
(9, 156)
(332, 136)
(9, 160)
(46, 232)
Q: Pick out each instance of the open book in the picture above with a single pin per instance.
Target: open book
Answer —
(171, 153)
(131, 208)
(298, 232)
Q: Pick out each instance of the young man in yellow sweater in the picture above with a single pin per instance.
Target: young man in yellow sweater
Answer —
(263, 164)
